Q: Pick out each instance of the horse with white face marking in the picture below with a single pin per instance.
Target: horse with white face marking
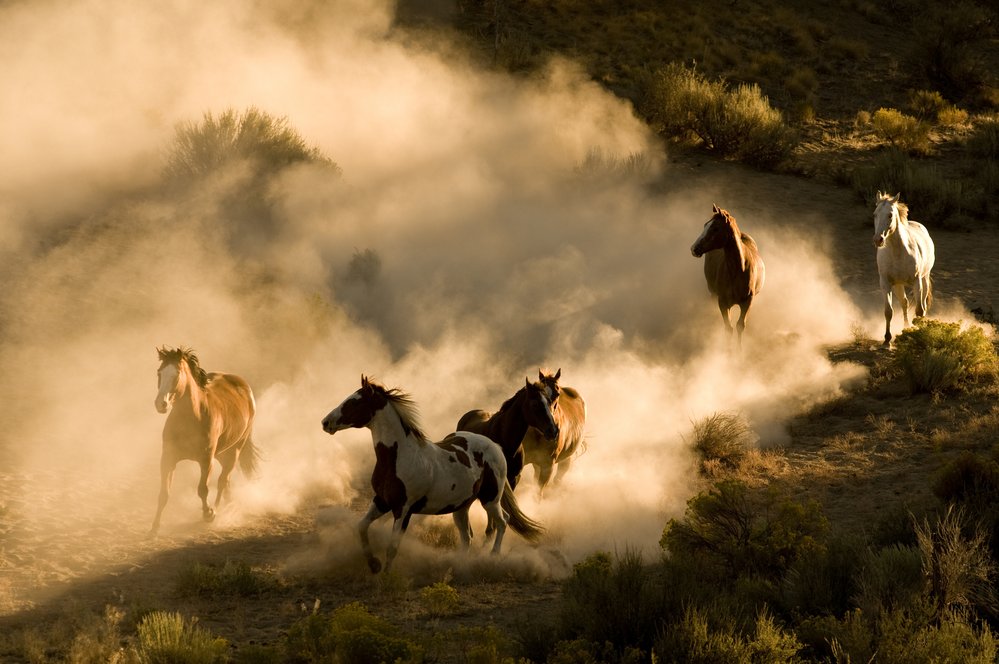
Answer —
(414, 476)
(553, 457)
(905, 258)
(211, 417)
(732, 266)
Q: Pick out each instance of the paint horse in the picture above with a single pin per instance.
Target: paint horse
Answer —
(732, 266)
(415, 476)
(529, 407)
(554, 457)
(210, 417)
(905, 257)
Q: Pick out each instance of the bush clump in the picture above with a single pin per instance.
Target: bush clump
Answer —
(901, 131)
(167, 638)
(352, 635)
(232, 578)
(737, 123)
(936, 357)
(723, 437)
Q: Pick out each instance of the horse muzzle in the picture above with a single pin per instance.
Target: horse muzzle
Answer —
(879, 241)
(330, 427)
(162, 406)
(695, 252)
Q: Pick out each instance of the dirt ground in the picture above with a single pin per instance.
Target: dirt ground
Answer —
(57, 559)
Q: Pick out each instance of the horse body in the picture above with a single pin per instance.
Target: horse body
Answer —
(905, 256)
(210, 417)
(554, 457)
(733, 267)
(414, 476)
(529, 407)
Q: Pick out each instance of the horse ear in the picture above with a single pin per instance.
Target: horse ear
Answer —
(541, 374)
(895, 199)
(558, 374)
(715, 208)
(527, 381)
(364, 382)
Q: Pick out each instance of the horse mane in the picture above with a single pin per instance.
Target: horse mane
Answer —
(903, 211)
(175, 355)
(509, 402)
(405, 408)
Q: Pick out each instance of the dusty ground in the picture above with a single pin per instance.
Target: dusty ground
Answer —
(58, 559)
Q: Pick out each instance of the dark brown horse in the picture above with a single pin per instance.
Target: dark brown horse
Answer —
(732, 266)
(211, 417)
(529, 407)
(549, 456)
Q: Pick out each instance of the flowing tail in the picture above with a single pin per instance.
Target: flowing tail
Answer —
(249, 457)
(929, 293)
(522, 524)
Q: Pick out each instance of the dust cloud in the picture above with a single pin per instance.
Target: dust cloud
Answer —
(484, 226)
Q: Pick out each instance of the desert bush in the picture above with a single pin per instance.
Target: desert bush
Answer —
(957, 564)
(738, 123)
(232, 578)
(823, 580)
(481, 645)
(949, 46)
(439, 600)
(741, 533)
(971, 480)
(265, 143)
(723, 437)
(934, 197)
(952, 116)
(694, 639)
(901, 131)
(614, 600)
(888, 578)
(984, 143)
(167, 638)
(935, 356)
(352, 635)
(926, 104)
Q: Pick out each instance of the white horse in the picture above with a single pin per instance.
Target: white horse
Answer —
(414, 476)
(905, 258)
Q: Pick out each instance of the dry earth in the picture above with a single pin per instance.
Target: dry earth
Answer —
(58, 562)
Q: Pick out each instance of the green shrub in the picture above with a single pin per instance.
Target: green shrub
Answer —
(232, 578)
(935, 356)
(952, 116)
(351, 635)
(167, 638)
(265, 143)
(902, 131)
(948, 47)
(439, 600)
(723, 437)
(984, 143)
(926, 104)
(612, 600)
(741, 533)
(889, 578)
(936, 197)
(695, 640)
(739, 123)
(481, 645)
(823, 580)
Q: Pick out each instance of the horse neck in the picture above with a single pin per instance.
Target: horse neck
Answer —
(190, 393)
(510, 423)
(735, 252)
(901, 238)
(386, 427)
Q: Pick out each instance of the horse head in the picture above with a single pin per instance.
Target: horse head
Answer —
(550, 382)
(538, 410)
(717, 229)
(170, 380)
(885, 218)
(358, 409)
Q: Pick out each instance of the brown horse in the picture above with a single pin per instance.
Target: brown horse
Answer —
(549, 456)
(732, 266)
(529, 407)
(211, 417)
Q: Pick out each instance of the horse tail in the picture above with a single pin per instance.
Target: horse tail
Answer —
(249, 458)
(929, 293)
(522, 524)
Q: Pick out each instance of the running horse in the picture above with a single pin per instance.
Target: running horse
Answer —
(554, 457)
(210, 417)
(905, 257)
(732, 266)
(415, 476)
(529, 407)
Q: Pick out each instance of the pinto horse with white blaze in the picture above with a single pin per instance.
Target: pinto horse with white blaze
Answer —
(905, 257)
(210, 417)
(415, 476)
(732, 266)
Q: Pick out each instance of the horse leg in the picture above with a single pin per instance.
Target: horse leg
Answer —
(499, 519)
(464, 528)
(543, 470)
(904, 301)
(561, 468)
(399, 528)
(514, 466)
(743, 315)
(374, 513)
(167, 467)
(888, 312)
(228, 461)
(207, 513)
(923, 304)
(724, 314)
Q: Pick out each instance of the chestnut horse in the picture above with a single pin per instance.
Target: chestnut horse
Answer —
(905, 256)
(211, 417)
(732, 266)
(554, 457)
(529, 407)
(414, 476)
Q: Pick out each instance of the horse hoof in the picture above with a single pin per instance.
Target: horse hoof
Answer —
(374, 565)
(209, 516)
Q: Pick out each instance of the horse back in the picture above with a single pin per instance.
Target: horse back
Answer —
(474, 421)
(231, 404)
(735, 286)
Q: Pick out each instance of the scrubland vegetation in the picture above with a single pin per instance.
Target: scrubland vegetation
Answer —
(757, 569)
